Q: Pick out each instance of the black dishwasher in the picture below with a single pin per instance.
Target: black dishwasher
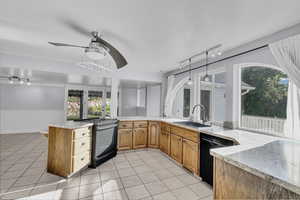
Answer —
(208, 142)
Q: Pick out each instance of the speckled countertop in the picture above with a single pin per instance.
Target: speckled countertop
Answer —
(71, 125)
(272, 158)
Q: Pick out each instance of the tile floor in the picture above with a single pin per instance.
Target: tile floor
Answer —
(144, 174)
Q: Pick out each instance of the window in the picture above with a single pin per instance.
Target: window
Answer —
(186, 102)
(75, 99)
(95, 103)
(205, 98)
(108, 103)
(263, 99)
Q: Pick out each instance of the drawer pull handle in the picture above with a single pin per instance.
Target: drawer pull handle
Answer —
(82, 159)
(83, 134)
(82, 144)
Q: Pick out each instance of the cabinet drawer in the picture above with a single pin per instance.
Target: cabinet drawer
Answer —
(140, 124)
(81, 160)
(165, 127)
(126, 124)
(193, 136)
(81, 145)
(82, 132)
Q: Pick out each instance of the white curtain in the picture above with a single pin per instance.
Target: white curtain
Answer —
(287, 54)
(172, 92)
(168, 106)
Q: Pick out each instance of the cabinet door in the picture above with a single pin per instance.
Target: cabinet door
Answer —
(139, 138)
(190, 151)
(164, 144)
(124, 139)
(176, 148)
(153, 134)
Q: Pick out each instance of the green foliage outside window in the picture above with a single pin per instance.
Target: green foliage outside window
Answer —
(269, 98)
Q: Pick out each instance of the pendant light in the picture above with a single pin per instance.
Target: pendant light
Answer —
(206, 77)
(190, 82)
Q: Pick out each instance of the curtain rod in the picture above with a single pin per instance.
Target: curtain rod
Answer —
(226, 58)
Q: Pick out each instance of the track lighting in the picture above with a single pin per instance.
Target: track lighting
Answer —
(190, 82)
(16, 79)
(10, 80)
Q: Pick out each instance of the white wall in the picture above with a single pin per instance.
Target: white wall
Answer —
(128, 102)
(30, 108)
(153, 100)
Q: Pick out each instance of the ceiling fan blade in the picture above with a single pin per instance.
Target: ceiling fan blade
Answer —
(76, 27)
(65, 45)
(115, 54)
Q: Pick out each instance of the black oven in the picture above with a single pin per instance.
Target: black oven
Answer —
(104, 140)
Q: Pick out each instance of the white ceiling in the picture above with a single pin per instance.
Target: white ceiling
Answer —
(152, 35)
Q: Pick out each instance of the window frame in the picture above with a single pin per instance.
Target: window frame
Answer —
(238, 107)
(85, 90)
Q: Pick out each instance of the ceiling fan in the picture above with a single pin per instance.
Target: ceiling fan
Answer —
(98, 49)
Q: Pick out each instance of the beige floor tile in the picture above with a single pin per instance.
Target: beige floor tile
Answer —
(142, 169)
(11, 174)
(201, 189)
(89, 179)
(94, 197)
(111, 185)
(137, 192)
(177, 171)
(69, 194)
(126, 172)
(27, 180)
(148, 177)
(16, 195)
(47, 193)
(107, 175)
(122, 165)
(188, 179)
(163, 174)
(50, 178)
(208, 198)
(131, 181)
(90, 190)
(89, 171)
(184, 194)
(156, 188)
(165, 196)
(135, 163)
(173, 183)
(116, 195)
(108, 166)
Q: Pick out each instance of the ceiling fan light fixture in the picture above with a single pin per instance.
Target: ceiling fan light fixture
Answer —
(95, 53)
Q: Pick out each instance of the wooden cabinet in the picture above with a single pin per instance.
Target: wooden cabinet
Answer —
(190, 155)
(69, 150)
(176, 148)
(139, 138)
(164, 142)
(153, 134)
(140, 124)
(124, 139)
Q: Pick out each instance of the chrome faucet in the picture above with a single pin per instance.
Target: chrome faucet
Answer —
(203, 110)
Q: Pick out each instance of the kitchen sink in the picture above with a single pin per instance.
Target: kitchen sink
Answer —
(191, 123)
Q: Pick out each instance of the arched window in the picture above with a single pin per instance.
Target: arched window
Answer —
(264, 91)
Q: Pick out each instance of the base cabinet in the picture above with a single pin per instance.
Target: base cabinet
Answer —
(176, 148)
(165, 142)
(153, 134)
(139, 138)
(190, 155)
(124, 139)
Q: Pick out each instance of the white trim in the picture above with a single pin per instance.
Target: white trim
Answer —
(239, 68)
